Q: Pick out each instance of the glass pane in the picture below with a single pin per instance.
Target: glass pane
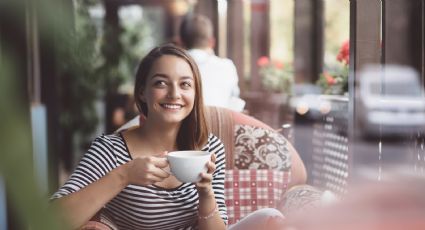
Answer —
(390, 112)
(321, 107)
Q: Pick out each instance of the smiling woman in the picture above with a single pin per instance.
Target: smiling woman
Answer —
(125, 176)
(127, 172)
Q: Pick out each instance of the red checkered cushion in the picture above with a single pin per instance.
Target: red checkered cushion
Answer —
(252, 189)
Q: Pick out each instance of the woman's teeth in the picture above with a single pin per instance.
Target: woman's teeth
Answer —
(171, 106)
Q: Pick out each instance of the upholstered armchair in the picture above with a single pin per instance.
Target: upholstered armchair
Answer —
(261, 164)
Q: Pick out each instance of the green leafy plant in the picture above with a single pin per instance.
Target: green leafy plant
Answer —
(275, 76)
(80, 82)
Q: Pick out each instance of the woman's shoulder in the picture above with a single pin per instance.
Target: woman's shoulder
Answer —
(113, 145)
(109, 139)
(112, 141)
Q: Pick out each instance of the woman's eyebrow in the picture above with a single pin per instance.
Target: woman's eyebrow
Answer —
(159, 75)
(165, 76)
(187, 78)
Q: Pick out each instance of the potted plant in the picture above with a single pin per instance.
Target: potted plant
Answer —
(276, 80)
(275, 76)
(335, 82)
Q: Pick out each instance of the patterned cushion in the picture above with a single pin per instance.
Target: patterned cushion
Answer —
(249, 190)
(259, 148)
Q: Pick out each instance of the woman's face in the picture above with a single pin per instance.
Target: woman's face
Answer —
(170, 90)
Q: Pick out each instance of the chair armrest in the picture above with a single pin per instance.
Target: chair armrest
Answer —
(95, 225)
(300, 198)
(298, 170)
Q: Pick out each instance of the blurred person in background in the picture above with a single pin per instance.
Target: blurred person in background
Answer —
(219, 75)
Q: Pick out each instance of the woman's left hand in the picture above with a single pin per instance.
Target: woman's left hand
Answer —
(204, 186)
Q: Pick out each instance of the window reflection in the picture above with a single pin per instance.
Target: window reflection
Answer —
(390, 121)
(391, 101)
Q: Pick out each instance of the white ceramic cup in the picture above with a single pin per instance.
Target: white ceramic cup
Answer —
(187, 166)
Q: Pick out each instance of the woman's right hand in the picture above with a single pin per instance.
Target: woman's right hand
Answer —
(147, 170)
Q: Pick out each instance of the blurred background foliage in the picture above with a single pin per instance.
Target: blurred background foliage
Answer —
(28, 204)
(81, 82)
(95, 65)
(88, 59)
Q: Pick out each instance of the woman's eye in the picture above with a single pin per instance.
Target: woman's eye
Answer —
(160, 83)
(187, 84)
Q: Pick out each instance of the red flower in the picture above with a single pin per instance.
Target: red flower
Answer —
(329, 79)
(263, 61)
(344, 53)
(278, 64)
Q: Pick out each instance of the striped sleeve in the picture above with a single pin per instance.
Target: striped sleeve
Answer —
(216, 146)
(99, 160)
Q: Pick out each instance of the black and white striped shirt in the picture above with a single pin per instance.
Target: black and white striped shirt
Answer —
(145, 207)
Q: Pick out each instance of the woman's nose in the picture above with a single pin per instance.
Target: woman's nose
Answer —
(174, 92)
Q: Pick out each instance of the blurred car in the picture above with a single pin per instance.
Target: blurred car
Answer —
(307, 103)
(391, 102)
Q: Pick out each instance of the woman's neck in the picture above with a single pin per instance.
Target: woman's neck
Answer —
(162, 136)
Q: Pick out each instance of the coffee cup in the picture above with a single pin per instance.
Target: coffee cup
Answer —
(187, 166)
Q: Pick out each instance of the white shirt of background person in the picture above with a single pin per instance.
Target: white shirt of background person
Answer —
(219, 80)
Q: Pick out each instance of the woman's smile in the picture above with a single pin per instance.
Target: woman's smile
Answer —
(171, 106)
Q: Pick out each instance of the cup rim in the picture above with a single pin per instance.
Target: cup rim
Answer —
(178, 153)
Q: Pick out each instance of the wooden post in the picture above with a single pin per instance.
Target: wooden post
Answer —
(318, 40)
(112, 50)
(402, 37)
(422, 26)
(209, 9)
(422, 41)
(260, 38)
(367, 36)
(175, 10)
(365, 48)
(308, 42)
(59, 144)
(235, 43)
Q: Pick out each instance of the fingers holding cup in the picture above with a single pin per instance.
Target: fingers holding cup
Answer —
(211, 164)
(204, 186)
